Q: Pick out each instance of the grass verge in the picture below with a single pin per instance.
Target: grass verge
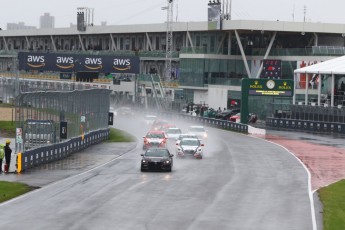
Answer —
(333, 200)
(117, 135)
(8, 128)
(9, 190)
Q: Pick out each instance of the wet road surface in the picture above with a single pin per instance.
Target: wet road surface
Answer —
(323, 155)
(242, 183)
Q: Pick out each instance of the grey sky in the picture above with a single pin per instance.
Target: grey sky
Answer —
(116, 12)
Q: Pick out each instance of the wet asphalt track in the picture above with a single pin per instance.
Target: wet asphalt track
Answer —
(242, 183)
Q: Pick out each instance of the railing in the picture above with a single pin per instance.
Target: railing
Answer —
(140, 53)
(307, 51)
(308, 112)
(308, 118)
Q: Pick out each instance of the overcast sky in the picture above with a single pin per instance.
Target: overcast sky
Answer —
(116, 12)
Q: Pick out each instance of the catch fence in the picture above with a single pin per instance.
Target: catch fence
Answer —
(51, 117)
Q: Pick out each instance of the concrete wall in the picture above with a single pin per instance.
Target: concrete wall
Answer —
(200, 97)
(217, 96)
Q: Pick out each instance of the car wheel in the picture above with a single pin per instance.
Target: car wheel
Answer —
(142, 169)
(169, 169)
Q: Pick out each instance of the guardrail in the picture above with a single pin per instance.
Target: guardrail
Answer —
(211, 122)
(305, 125)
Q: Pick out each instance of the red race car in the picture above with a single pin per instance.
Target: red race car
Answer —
(155, 139)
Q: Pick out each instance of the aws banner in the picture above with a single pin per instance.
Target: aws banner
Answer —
(78, 63)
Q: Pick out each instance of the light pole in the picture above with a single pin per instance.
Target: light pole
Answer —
(169, 38)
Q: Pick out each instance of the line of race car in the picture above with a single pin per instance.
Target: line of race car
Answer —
(157, 156)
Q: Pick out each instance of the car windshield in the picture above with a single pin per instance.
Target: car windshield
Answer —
(197, 129)
(155, 135)
(151, 118)
(157, 153)
(174, 131)
(186, 136)
(190, 142)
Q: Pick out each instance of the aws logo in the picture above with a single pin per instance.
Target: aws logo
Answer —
(65, 62)
(35, 61)
(93, 63)
(122, 64)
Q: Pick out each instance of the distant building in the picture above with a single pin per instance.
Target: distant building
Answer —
(47, 21)
(19, 26)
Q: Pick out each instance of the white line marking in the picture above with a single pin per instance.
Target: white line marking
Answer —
(310, 192)
(68, 178)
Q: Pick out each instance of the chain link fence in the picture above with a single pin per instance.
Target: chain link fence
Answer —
(43, 117)
(7, 90)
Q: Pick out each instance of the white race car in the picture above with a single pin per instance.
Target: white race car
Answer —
(173, 133)
(149, 119)
(199, 131)
(190, 147)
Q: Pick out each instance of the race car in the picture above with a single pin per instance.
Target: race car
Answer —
(158, 124)
(190, 147)
(155, 138)
(173, 133)
(149, 119)
(157, 159)
(184, 135)
(199, 131)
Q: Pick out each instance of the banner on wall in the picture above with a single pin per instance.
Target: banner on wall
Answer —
(77, 63)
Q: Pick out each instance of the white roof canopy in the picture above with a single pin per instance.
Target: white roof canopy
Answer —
(333, 66)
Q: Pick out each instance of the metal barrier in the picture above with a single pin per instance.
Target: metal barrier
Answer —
(306, 125)
(211, 122)
(49, 153)
(317, 113)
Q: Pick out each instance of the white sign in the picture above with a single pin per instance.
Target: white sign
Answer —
(19, 135)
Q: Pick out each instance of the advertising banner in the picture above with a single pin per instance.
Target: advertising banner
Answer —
(110, 118)
(63, 129)
(78, 63)
(214, 16)
(268, 87)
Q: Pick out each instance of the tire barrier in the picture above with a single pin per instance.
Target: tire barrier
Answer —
(54, 152)
(304, 125)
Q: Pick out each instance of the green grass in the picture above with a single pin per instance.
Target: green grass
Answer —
(9, 190)
(117, 135)
(8, 128)
(333, 200)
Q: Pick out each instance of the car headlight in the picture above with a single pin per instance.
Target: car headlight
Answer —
(167, 162)
(144, 161)
(179, 149)
(199, 149)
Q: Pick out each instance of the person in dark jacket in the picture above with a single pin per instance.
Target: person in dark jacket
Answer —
(8, 152)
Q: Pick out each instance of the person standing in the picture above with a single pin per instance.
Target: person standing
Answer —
(8, 152)
(2, 154)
